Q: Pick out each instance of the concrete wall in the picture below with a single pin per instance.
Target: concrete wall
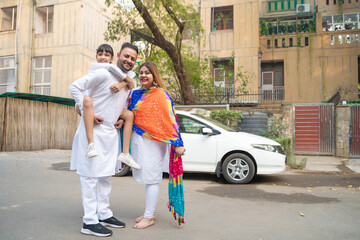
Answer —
(342, 131)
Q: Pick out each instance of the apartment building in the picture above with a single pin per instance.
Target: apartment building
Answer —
(300, 51)
(47, 44)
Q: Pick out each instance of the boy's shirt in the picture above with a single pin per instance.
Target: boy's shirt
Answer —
(87, 88)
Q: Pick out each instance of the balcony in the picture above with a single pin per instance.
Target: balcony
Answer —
(229, 95)
(288, 25)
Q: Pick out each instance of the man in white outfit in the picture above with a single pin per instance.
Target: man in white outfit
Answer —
(95, 173)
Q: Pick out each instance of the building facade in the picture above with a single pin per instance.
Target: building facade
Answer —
(297, 51)
(300, 51)
(47, 44)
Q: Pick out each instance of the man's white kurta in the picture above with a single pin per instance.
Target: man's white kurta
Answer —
(109, 106)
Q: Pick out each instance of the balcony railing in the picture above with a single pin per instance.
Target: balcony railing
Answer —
(228, 95)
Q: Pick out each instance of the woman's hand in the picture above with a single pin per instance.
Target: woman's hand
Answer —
(180, 151)
(119, 123)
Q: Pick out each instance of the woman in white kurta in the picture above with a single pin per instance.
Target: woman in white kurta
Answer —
(151, 149)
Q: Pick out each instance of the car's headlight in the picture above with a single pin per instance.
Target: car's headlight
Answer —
(270, 148)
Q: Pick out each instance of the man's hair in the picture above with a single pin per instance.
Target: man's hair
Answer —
(129, 45)
(105, 47)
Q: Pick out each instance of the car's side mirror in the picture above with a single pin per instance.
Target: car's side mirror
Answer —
(206, 131)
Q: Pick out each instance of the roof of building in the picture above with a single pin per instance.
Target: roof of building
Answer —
(42, 98)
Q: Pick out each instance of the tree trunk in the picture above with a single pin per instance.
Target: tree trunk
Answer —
(186, 91)
(174, 52)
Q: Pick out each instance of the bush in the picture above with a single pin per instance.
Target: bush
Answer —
(227, 117)
(285, 142)
(275, 130)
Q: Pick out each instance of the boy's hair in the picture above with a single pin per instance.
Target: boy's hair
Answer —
(105, 47)
(129, 45)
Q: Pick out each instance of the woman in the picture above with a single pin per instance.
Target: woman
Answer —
(156, 144)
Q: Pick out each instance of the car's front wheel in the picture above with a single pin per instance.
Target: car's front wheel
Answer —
(238, 168)
(123, 171)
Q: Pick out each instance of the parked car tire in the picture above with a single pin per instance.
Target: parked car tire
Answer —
(238, 168)
(123, 172)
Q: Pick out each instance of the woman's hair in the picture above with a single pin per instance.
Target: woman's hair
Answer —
(105, 47)
(155, 72)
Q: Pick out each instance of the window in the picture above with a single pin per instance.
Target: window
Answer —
(349, 21)
(283, 5)
(306, 41)
(283, 42)
(44, 20)
(223, 72)
(42, 75)
(191, 30)
(189, 125)
(272, 80)
(7, 74)
(8, 19)
(222, 18)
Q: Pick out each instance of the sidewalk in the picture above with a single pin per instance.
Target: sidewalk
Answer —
(329, 163)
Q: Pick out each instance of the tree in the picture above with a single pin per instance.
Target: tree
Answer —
(162, 24)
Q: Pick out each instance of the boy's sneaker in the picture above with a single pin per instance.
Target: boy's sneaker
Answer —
(112, 222)
(128, 160)
(91, 151)
(96, 230)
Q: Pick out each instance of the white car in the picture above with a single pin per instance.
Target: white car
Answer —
(212, 147)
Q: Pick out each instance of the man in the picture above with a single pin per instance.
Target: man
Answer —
(95, 173)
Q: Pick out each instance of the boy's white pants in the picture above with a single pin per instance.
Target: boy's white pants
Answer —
(95, 192)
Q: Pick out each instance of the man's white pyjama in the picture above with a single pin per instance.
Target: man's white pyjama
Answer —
(95, 192)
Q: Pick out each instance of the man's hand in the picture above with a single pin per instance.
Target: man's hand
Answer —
(180, 151)
(119, 123)
(98, 120)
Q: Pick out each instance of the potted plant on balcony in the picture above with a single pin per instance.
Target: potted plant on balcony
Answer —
(279, 26)
(217, 23)
(264, 30)
(225, 19)
(270, 27)
(286, 27)
(312, 26)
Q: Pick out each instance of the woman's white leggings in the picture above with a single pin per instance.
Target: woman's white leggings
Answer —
(151, 197)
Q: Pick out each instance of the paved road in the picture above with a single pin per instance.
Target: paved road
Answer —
(40, 199)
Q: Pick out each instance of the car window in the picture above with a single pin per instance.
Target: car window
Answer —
(189, 125)
(227, 128)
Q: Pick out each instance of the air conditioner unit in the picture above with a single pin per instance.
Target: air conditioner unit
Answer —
(302, 8)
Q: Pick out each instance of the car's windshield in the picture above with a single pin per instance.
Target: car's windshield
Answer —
(218, 124)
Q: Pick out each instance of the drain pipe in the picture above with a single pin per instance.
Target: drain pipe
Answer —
(260, 53)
